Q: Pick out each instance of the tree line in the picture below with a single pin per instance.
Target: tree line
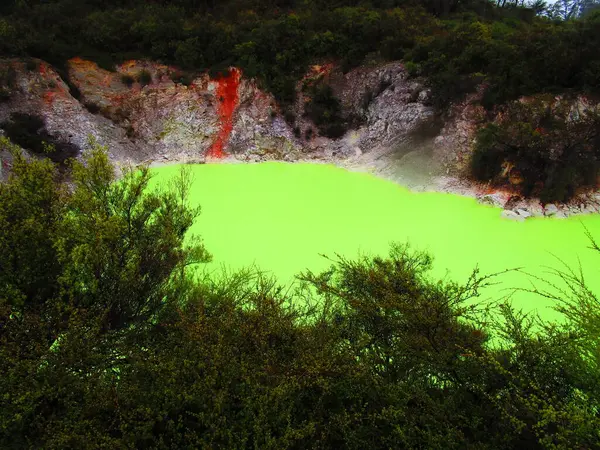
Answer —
(515, 49)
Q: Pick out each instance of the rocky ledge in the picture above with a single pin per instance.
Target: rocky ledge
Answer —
(149, 113)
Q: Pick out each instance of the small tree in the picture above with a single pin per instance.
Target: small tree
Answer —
(122, 241)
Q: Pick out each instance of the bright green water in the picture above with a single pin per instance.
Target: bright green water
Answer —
(282, 216)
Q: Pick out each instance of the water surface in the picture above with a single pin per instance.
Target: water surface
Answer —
(282, 216)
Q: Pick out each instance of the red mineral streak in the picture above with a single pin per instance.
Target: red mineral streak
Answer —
(49, 97)
(228, 97)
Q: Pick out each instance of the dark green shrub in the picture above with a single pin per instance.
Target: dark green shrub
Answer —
(222, 69)
(8, 79)
(325, 111)
(516, 54)
(144, 77)
(26, 131)
(127, 79)
(32, 65)
(108, 342)
(541, 148)
(29, 132)
(290, 117)
(487, 158)
(182, 78)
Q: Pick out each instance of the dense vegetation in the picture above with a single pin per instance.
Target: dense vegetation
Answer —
(544, 147)
(457, 43)
(108, 340)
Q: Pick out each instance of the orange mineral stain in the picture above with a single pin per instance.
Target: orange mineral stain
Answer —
(228, 98)
(49, 97)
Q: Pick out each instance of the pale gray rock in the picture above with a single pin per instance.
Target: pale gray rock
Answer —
(495, 199)
(551, 209)
(512, 215)
(523, 213)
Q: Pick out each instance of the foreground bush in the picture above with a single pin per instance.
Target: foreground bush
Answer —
(106, 340)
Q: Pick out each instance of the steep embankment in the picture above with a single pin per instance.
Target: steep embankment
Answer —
(144, 113)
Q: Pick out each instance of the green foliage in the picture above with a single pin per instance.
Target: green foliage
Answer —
(10, 40)
(456, 44)
(513, 58)
(183, 78)
(325, 111)
(108, 341)
(144, 78)
(32, 65)
(8, 78)
(29, 132)
(127, 79)
(546, 147)
(29, 210)
(125, 242)
(23, 129)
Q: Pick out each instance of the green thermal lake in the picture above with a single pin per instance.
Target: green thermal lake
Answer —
(281, 217)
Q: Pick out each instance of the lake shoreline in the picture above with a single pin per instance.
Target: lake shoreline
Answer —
(513, 207)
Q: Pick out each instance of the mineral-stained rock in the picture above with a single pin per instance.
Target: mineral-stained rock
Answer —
(394, 132)
(143, 122)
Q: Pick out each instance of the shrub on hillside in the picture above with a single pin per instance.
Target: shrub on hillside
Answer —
(127, 79)
(29, 132)
(24, 130)
(32, 65)
(144, 77)
(183, 78)
(325, 110)
(8, 78)
(544, 147)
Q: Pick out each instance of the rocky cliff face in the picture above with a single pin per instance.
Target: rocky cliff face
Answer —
(226, 117)
(143, 113)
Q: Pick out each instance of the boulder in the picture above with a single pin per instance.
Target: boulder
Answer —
(495, 199)
(523, 213)
(550, 209)
(511, 215)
